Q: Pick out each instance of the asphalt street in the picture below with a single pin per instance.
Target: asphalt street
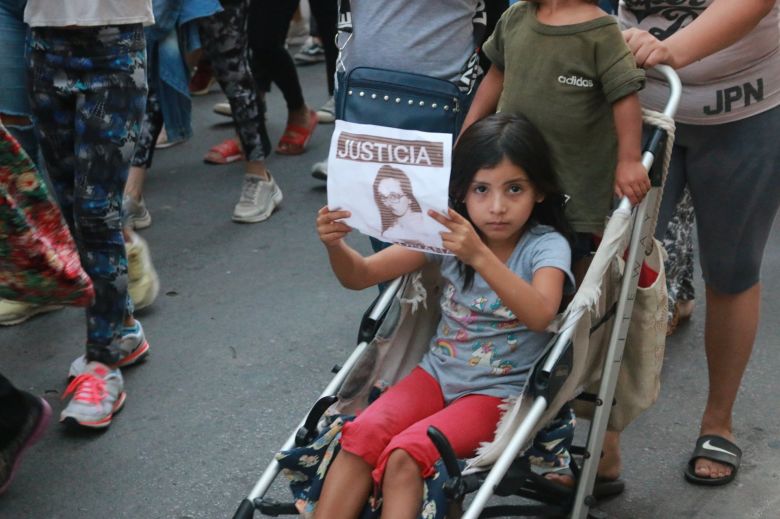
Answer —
(247, 326)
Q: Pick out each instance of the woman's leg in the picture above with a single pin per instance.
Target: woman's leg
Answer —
(270, 20)
(678, 242)
(416, 396)
(326, 13)
(87, 132)
(734, 178)
(224, 36)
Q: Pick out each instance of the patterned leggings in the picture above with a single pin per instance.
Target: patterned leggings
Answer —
(224, 37)
(678, 242)
(88, 91)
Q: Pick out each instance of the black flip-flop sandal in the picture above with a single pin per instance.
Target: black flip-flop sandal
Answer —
(715, 448)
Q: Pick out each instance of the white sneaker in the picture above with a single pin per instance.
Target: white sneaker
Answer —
(258, 199)
(327, 113)
(16, 312)
(223, 108)
(320, 170)
(97, 394)
(136, 214)
(142, 281)
(310, 52)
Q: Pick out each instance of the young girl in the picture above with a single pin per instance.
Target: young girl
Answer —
(501, 290)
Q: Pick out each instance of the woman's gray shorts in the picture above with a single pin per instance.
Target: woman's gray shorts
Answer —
(733, 172)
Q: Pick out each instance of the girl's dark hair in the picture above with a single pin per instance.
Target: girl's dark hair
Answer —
(488, 142)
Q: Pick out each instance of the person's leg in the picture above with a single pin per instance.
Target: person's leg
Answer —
(224, 36)
(346, 488)
(410, 456)
(270, 20)
(270, 60)
(225, 42)
(678, 242)
(15, 111)
(363, 440)
(135, 212)
(734, 178)
(325, 12)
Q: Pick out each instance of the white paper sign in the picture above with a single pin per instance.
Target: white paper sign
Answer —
(389, 179)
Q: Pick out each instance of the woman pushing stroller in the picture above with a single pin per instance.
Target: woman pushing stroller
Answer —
(502, 288)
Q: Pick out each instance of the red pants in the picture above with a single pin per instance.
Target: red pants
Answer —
(399, 419)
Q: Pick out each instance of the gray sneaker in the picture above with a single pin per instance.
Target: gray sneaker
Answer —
(136, 214)
(258, 199)
(96, 395)
(327, 112)
(133, 346)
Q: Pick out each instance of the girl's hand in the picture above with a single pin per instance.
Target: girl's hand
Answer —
(631, 180)
(648, 50)
(330, 230)
(462, 240)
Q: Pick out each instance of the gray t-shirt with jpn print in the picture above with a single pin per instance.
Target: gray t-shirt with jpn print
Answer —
(480, 347)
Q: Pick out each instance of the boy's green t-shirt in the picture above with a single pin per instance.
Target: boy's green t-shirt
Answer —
(565, 79)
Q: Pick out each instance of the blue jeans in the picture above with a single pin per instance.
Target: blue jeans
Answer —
(13, 93)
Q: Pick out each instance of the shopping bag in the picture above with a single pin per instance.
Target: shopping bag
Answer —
(39, 262)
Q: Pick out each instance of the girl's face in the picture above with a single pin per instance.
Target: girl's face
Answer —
(499, 201)
(391, 194)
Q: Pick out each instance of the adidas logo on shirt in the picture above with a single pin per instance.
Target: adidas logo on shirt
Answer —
(575, 81)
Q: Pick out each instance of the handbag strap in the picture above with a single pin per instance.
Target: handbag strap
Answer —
(471, 71)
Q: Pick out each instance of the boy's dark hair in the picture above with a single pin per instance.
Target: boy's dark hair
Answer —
(484, 145)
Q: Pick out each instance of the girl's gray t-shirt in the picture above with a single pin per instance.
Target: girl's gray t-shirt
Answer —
(480, 347)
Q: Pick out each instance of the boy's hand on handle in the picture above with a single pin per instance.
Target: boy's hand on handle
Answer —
(648, 50)
(631, 180)
(461, 239)
(332, 231)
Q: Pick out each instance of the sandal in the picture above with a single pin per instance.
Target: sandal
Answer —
(224, 153)
(295, 137)
(714, 448)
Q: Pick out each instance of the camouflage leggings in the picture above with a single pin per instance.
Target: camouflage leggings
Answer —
(224, 37)
(88, 92)
(678, 242)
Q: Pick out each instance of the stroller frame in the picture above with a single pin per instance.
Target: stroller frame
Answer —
(544, 376)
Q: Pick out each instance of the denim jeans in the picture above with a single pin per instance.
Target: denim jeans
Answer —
(13, 94)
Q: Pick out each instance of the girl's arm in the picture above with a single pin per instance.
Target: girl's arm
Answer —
(723, 23)
(535, 304)
(486, 99)
(353, 270)
(631, 177)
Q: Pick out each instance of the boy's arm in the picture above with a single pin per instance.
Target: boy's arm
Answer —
(352, 269)
(631, 177)
(486, 98)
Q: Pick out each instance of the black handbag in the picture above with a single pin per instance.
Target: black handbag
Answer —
(404, 100)
(401, 100)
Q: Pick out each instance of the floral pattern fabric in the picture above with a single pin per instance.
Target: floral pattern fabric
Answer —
(39, 262)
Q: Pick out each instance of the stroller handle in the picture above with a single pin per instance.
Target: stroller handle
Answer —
(675, 93)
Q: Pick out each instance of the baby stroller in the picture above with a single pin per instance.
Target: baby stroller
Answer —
(587, 351)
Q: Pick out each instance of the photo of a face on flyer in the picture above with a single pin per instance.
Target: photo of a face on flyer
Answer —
(389, 179)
